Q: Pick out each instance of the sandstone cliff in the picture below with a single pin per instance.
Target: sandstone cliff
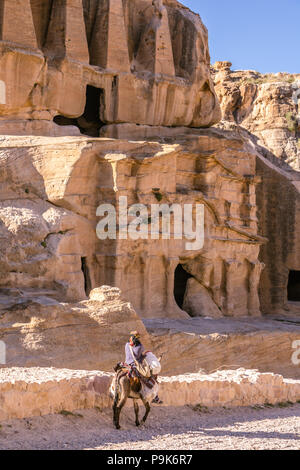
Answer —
(137, 73)
(85, 63)
(51, 189)
(267, 106)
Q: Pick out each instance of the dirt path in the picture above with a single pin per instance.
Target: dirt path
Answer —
(180, 428)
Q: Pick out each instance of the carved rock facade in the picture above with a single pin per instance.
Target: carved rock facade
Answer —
(137, 73)
(89, 62)
(49, 196)
(268, 107)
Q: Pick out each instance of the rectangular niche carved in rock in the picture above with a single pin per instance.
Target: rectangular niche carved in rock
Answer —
(89, 123)
(294, 286)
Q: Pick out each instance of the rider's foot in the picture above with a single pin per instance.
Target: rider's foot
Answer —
(157, 400)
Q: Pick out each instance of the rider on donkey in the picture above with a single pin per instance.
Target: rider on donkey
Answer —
(134, 357)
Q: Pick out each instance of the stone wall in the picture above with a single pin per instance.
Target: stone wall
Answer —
(43, 391)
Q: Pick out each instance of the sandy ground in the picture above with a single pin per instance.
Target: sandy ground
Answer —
(180, 428)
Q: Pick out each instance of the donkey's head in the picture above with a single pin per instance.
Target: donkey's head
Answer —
(118, 366)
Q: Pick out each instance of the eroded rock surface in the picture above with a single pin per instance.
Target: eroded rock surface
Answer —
(265, 104)
(206, 344)
(85, 63)
(137, 72)
(50, 192)
(40, 331)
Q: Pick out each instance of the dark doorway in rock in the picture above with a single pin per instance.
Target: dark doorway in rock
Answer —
(65, 121)
(90, 121)
(86, 275)
(181, 278)
(294, 286)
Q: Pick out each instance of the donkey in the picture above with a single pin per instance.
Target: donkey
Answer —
(124, 387)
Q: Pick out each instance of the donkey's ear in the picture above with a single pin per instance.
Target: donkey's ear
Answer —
(117, 367)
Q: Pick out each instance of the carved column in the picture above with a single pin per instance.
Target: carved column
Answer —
(231, 266)
(71, 41)
(121, 263)
(145, 260)
(170, 266)
(108, 44)
(164, 60)
(217, 283)
(17, 23)
(255, 269)
(155, 51)
(117, 45)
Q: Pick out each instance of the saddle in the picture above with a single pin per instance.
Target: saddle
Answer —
(136, 379)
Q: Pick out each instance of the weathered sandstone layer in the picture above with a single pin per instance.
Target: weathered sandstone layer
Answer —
(40, 331)
(278, 198)
(267, 106)
(137, 73)
(50, 191)
(267, 343)
(85, 63)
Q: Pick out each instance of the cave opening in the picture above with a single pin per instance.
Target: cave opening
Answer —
(86, 275)
(294, 286)
(89, 123)
(181, 278)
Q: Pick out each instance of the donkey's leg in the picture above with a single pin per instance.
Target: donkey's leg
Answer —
(115, 414)
(136, 410)
(118, 411)
(117, 390)
(147, 406)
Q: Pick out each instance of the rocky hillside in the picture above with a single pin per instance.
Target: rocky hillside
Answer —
(267, 105)
(266, 108)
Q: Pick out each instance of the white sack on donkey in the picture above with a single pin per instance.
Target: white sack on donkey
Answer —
(153, 363)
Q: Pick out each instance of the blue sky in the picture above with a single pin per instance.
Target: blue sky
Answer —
(260, 35)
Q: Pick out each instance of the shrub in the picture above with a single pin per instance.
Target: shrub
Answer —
(157, 194)
(291, 122)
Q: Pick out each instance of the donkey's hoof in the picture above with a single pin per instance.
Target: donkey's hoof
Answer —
(137, 423)
(118, 426)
